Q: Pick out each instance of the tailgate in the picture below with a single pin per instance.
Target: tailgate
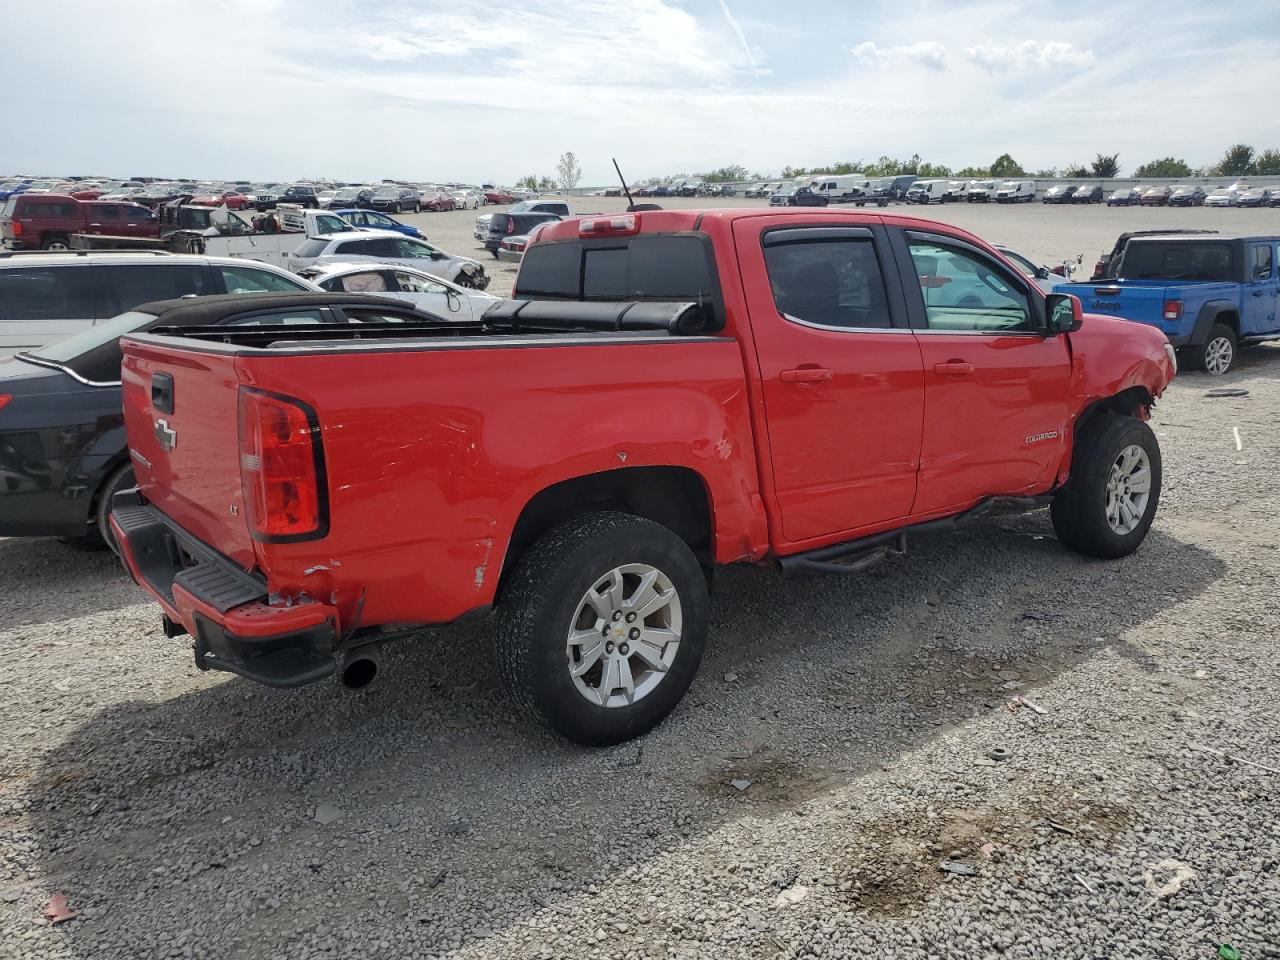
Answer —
(180, 408)
(1130, 300)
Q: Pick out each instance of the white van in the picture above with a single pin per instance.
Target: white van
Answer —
(840, 189)
(1016, 191)
(956, 191)
(928, 191)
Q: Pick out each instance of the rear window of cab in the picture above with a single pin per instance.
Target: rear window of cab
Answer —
(667, 267)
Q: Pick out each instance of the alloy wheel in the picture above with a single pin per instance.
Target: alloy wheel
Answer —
(624, 636)
(1128, 489)
(1218, 354)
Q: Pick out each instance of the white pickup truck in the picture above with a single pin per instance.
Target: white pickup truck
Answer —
(231, 235)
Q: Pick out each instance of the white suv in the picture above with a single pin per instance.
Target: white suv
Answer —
(46, 296)
(386, 246)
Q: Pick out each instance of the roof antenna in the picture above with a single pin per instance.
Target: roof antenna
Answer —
(632, 206)
(630, 203)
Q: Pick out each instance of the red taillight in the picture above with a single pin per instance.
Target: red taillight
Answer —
(1172, 310)
(511, 225)
(4, 399)
(281, 468)
(16, 228)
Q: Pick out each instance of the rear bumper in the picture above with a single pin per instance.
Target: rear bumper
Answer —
(224, 608)
(510, 256)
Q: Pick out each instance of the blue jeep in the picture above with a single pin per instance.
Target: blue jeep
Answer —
(1208, 294)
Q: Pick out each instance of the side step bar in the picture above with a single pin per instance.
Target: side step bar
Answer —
(854, 556)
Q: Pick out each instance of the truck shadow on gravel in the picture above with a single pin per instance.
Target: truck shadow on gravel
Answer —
(250, 818)
(42, 581)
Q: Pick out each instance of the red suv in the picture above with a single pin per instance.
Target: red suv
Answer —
(46, 221)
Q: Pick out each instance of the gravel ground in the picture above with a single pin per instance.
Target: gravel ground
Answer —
(831, 755)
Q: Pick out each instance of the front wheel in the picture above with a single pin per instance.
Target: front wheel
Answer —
(1218, 352)
(602, 627)
(1110, 498)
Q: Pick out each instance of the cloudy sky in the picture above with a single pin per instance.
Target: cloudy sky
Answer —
(455, 89)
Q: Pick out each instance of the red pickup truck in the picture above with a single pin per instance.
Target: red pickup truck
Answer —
(666, 392)
(46, 221)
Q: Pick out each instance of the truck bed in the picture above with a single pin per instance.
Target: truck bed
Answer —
(434, 440)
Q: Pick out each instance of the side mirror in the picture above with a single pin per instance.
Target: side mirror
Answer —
(1042, 273)
(1064, 312)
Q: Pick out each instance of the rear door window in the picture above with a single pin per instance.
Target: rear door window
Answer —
(828, 282)
(1262, 262)
(358, 248)
(129, 285)
(371, 281)
(46, 293)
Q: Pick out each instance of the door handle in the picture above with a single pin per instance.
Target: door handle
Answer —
(953, 368)
(805, 375)
(1258, 293)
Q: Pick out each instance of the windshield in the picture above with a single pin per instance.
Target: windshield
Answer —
(78, 344)
(387, 194)
(1008, 185)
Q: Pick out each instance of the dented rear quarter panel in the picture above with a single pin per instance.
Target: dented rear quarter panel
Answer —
(432, 454)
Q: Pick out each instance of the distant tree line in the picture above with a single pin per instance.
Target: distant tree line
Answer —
(1240, 160)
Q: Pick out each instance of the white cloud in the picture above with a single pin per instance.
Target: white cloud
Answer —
(926, 53)
(1031, 55)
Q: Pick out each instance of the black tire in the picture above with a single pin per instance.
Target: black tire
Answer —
(542, 596)
(120, 479)
(1218, 347)
(399, 208)
(1079, 511)
(56, 241)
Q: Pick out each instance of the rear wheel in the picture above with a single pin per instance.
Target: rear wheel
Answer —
(121, 479)
(1109, 501)
(602, 627)
(56, 243)
(1216, 355)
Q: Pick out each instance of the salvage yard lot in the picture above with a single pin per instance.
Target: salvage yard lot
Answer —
(833, 751)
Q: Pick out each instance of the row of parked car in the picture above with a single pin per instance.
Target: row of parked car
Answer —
(242, 195)
(1186, 195)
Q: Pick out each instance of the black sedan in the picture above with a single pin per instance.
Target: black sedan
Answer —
(63, 452)
(1192, 196)
(1089, 193)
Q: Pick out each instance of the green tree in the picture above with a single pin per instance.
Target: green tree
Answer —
(732, 173)
(545, 184)
(1268, 163)
(530, 182)
(937, 170)
(1073, 171)
(1237, 161)
(567, 171)
(1006, 166)
(1163, 168)
(974, 173)
(1051, 173)
(1106, 165)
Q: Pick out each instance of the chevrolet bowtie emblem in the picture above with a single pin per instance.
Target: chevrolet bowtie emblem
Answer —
(167, 436)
